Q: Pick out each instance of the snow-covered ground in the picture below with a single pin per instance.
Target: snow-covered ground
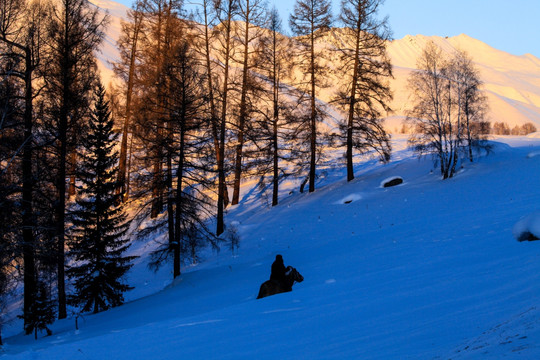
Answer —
(428, 269)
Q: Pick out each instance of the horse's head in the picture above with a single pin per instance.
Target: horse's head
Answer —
(294, 274)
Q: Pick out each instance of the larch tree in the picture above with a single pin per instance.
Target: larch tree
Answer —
(252, 16)
(226, 11)
(310, 20)
(268, 133)
(366, 93)
(189, 147)
(75, 33)
(204, 38)
(98, 239)
(129, 47)
(21, 41)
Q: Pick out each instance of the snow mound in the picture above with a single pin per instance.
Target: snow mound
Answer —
(528, 228)
(533, 154)
(349, 199)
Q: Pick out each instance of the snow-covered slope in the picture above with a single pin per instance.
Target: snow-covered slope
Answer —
(428, 269)
(425, 270)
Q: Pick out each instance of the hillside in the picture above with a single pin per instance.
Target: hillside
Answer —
(425, 270)
(511, 83)
(428, 269)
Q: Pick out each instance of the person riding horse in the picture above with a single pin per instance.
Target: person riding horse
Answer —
(279, 270)
(281, 279)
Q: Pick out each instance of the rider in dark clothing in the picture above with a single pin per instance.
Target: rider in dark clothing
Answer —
(278, 270)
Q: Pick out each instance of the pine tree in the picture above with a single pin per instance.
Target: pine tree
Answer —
(98, 243)
(42, 311)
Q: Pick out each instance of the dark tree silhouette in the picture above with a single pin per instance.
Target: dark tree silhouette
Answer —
(98, 239)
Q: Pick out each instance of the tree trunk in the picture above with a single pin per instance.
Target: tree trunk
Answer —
(221, 161)
(243, 114)
(178, 214)
(275, 81)
(72, 171)
(313, 122)
(27, 196)
(213, 111)
(157, 186)
(124, 188)
(352, 103)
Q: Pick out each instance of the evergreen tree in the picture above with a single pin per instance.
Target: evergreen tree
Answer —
(98, 242)
(42, 311)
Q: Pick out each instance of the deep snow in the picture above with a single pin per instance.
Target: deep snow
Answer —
(428, 269)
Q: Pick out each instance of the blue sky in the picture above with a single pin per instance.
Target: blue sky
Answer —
(512, 26)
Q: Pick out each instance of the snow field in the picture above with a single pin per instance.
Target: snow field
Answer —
(428, 269)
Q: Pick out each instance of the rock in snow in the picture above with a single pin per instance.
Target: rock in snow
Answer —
(528, 228)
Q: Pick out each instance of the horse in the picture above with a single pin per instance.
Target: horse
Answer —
(272, 287)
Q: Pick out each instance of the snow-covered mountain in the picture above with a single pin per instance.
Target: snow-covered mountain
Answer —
(511, 83)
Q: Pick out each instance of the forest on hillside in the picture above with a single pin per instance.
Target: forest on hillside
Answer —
(204, 100)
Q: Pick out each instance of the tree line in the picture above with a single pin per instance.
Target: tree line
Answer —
(203, 101)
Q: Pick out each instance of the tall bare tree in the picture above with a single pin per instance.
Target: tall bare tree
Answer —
(204, 38)
(128, 45)
(252, 14)
(21, 35)
(366, 93)
(226, 11)
(445, 98)
(309, 21)
(472, 101)
(75, 33)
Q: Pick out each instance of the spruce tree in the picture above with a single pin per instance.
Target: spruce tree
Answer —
(42, 311)
(98, 238)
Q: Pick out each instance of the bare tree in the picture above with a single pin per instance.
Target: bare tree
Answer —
(268, 128)
(226, 11)
(432, 111)
(128, 45)
(252, 14)
(21, 35)
(75, 32)
(448, 108)
(366, 92)
(309, 21)
(204, 38)
(472, 101)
